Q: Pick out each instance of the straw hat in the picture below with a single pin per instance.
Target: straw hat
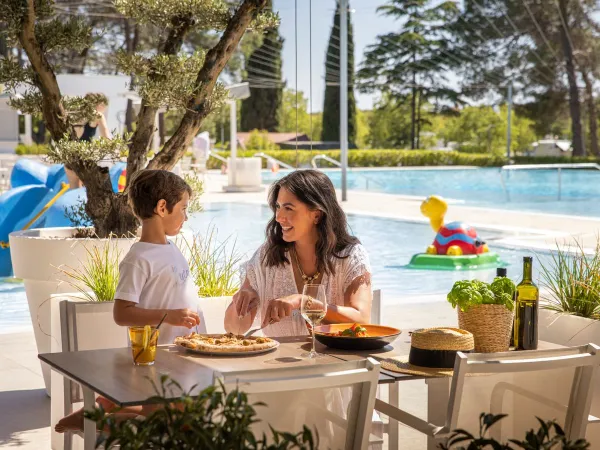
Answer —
(432, 352)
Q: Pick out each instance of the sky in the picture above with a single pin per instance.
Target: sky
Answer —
(367, 24)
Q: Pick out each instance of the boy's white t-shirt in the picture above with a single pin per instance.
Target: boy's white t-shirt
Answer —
(157, 276)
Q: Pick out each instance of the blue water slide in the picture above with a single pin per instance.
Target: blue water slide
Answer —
(33, 185)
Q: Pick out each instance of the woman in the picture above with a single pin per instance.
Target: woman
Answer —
(307, 243)
(86, 131)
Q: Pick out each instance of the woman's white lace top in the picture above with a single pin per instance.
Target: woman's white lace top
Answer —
(278, 281)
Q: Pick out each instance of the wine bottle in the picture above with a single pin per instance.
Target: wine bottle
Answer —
(501, 272)
(526, 309)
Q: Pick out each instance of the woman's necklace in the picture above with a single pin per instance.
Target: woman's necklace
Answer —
(305, 278)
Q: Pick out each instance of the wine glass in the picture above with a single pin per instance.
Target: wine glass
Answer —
(313, 308)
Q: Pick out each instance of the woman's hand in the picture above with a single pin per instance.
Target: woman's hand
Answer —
(280, 308)
(246, 301)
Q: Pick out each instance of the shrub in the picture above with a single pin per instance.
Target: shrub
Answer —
(214, 419)
(33, 149)
(549, 436)
(259, 140)
(554, 159)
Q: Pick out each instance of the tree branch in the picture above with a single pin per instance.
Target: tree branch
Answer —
(144, 132)
(55, 116)
(199, 106)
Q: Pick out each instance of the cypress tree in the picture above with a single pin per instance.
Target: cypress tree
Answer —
(331, 103)
(261, 110)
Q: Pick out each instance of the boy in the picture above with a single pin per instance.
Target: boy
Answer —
(154, 277)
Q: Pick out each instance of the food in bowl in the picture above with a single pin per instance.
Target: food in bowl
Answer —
(355, 330)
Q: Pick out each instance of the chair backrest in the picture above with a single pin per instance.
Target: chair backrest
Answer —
(376, 307)
(307, 393)
(583, 359)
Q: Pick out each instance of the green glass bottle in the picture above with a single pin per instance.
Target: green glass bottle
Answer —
(526, 309)
(501, 272)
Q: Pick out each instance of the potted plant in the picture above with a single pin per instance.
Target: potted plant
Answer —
(570, 305)
(213, 419)
(485, 310)
(191, 86)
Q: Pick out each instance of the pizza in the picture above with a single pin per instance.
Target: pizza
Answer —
(225, 343)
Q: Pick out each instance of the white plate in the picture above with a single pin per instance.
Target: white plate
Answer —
(253, 352)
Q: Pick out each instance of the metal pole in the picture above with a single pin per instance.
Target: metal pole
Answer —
(344, 93)
(508, 136)
(232, 140)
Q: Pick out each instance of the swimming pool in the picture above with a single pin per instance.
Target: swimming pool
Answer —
(390, 244)
(525, 190)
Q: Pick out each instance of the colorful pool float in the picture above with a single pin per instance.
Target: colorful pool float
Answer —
(456, 246)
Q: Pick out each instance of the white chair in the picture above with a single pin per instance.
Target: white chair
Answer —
(584, 360)
(84, 326)
(301, 395)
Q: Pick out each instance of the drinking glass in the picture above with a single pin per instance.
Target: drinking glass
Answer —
(143, 344)
(313, 308)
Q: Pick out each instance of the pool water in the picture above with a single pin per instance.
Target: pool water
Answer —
(524, 190)
(390, 244)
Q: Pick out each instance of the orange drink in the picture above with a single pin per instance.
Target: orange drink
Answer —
(143, 344)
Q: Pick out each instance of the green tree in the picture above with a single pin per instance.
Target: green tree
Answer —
(390, 124)
(167, 77)
(412, 64)
(261, 109)
(331, 102)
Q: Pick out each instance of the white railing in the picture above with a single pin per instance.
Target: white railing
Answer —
(216, 156)
(270, 158)
(335, 162)
(558, 168)
(314, 165)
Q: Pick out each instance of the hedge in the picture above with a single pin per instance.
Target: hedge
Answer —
(376, 158)
(554, 159)
(33, 149)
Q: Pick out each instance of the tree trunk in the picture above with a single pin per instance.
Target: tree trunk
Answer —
(592, 113)
(55, 116)
(200, 106)
(574, 105)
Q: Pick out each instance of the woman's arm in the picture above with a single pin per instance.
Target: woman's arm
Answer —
(104, 131)
(357, 303)
(241, 312)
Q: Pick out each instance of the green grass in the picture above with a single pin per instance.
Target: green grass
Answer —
(213, 265)
(98, 274)
(573, 280)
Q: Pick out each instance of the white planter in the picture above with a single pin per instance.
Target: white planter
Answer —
(244, 175)
(213, 309)
(91, 328)
(568, 330)
(36, 255)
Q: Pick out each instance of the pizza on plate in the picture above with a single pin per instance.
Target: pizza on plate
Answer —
(225, 343)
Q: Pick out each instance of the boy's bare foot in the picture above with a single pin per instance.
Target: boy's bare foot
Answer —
(72, 422)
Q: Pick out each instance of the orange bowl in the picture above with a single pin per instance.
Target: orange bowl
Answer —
(378, 337)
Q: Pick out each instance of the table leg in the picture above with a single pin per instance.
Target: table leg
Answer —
(394, 400)
(89, 426)
(438, 393)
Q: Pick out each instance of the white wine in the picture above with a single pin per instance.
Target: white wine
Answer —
(313, 316)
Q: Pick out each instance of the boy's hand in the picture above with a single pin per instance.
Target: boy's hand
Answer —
(183, 318)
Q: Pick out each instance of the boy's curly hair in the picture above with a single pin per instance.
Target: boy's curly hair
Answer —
(149, 186)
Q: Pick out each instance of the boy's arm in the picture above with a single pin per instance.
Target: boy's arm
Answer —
(131, 315)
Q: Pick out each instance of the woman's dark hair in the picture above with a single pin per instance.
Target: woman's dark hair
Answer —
(315, 190)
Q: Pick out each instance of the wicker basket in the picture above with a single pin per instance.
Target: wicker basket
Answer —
(491, 326)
